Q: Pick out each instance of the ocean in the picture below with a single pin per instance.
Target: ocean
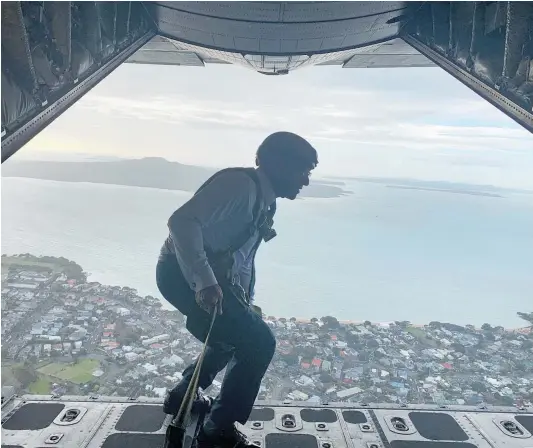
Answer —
(379, 254)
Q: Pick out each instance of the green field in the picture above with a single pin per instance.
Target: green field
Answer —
(79, 373)
(48, 264)
(14, 261)
(40, 387)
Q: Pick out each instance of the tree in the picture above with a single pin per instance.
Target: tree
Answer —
(367, 323)
(291, 359)
(454, 327)
(314, 320)
(372, 343)
(283, 320)
(528, 317)
(486, 327)
(458, 348)
(490, 337)
(479, 387)
(330, 322)
(293, 319)
(527, 344)
(25, 376)
(307, 351)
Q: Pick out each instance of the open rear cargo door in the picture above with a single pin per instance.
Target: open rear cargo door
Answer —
(488, 46)
(55, 52)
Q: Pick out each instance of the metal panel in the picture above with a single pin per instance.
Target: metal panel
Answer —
(110, 422)
(393, 53)
(287, 12)
(313, 27)
(244, 11)
(300, 29)
(158, 43)
(209, 55)
(325, 11)
(16, 45)
(162, 57)
(520, 115)
(391, 47)
(390, 61)
(490, 425)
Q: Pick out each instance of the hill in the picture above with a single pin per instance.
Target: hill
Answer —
(151, 172)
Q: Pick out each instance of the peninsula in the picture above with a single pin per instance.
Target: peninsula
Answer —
(150, 172)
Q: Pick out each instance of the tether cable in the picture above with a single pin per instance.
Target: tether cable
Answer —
(183, 417)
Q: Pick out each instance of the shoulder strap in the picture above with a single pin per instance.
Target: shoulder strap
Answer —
(242, 238)
(218, 173)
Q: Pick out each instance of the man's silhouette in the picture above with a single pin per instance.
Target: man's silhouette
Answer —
(207, 262)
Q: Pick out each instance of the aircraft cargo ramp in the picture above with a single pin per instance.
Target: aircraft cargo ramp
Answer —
(35, 421)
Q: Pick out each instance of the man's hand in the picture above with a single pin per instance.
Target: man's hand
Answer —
(210, 297)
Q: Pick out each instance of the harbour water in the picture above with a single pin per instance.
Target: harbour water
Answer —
(379, 254)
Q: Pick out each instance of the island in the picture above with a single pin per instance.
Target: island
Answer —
(443, 190)
(440, 186)
(151, 172)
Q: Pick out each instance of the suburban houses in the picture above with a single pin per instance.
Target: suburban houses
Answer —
(63, 334)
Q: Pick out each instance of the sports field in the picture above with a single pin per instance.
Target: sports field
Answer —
(7, 262)
(79, 373)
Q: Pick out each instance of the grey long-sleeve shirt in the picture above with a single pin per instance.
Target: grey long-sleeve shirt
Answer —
(213, 218)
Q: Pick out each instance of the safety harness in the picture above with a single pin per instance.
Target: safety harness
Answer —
(222, 261)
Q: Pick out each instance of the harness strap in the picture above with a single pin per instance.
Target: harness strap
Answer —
(242, 238)
(222, 261)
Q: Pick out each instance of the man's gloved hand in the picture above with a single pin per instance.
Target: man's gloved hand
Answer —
(210, 297)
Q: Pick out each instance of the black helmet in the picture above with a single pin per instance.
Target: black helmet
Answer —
(286, 148)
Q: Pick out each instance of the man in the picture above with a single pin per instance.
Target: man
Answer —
(230, 214)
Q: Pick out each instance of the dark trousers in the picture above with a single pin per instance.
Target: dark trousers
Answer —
(240, 340)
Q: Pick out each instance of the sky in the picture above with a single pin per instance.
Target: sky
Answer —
(409, 122)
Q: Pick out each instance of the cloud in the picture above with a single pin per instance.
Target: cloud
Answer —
(382, 121)
(404, 122)
(429, 137)
(176, 110)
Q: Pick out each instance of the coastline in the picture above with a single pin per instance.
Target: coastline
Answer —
(83, 277)
(522, 330)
